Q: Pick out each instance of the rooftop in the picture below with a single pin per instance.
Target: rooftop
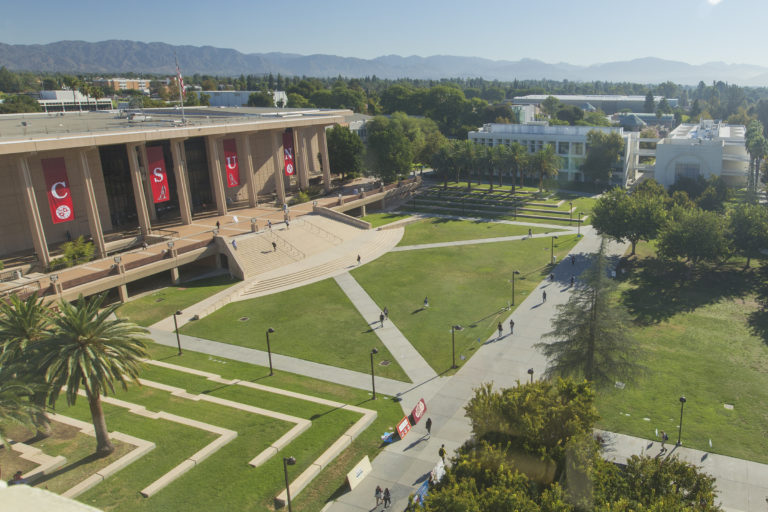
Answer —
(588, 97)
(708, 129)
(544, 129)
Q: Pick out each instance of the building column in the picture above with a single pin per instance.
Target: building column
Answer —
(94, 221)
(138, 189)
(33, 213)
(175, 275)
(246, 161)
(180, 173)
(122, 290)
(214, 163)
(306, 150)
(277, 148)
(323, 143)
(149, 198)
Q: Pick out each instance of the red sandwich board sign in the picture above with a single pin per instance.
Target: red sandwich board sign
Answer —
(418, 411)
(59, 193)
(403, 427)
(233, 167)
(157, 175)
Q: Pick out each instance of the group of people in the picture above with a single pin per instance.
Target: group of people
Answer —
(511, 328)
(383, 496)
(384, 315)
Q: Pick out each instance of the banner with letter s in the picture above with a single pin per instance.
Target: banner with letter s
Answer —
(157, 175)
(233, 167)
(290, 166)
(59, 193)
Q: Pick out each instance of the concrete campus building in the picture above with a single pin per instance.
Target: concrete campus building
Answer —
(710, 148)
(608, 103)
(99, 161)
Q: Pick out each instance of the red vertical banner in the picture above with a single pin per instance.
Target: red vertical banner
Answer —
(59, 193)
(290, 166)
(157, 175)
(233, 167)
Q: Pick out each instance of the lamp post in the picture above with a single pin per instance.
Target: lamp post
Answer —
(530, 372)
(373, 380)
(680, 427)
(269, 350)
(578, 223)
(454, 328)
(288, 461)
(570, 213)
(176, 325)
(552, 249)
(514, 273)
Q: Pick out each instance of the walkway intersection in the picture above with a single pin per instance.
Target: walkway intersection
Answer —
(402, 466)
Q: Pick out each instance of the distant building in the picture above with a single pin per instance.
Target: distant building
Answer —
(123, 84)
(608, 103)
(240, 98)
(710, 148)
(569, 142)
(636, 121)
(523, 113)
(71, 101)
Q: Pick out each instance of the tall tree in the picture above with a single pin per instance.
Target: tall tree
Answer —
(633, 218)
(546, 163)
(91, 350)
(694, 235)
(345, 151)
(748, 228)
(590, 332)
(389, 152)
(16, 405)
(603, 155)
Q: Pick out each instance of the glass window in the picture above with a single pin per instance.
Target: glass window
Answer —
(563, 148)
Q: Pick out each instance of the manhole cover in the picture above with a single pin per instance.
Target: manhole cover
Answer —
(384, 363)
(243, 319)
(728, 406)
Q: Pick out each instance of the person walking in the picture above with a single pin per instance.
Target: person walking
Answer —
(441, 452)
(544, 296)
(269, 224)
(573, 279)
(551, 278)
(381, 319)
(501, 329)
(387, 498)
(511, 326)
(234, 244)
(378, 494)
(530, 233)
(429, 427)
(274, 247)
(359, 259)
(573, 259)
(218, 225)
(664, 439)
(386, 313)
(426, 302)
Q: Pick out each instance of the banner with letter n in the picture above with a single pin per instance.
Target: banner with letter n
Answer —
(157, 175)
(233, 167)
(59, 193)
(418, 411)
(290, 165)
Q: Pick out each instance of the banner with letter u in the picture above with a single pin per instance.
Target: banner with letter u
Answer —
(233, 167)
(157, 175)
(290, 166)
(59, 193)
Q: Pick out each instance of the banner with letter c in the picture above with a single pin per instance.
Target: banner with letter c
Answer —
(59, 193)
(157, 175)
(233, 167)
(290, 168)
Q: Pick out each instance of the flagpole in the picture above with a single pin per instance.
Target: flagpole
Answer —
(180, 82)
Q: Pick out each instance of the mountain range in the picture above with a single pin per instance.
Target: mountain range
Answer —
(116, 56)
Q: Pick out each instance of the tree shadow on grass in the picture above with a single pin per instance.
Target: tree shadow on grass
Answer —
(758, 320)
(663, 289)
(69, 467)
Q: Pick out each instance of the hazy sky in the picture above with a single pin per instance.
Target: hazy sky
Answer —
(573, 31)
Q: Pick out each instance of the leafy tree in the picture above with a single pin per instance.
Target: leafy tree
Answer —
(389, 152)
(91, 349)
(443, 164)
(261, 99)
(19, 103)
(298, 101)
(550, 105)
(603, 154)
(694, 235)
(590, 333)
(345, 151)
(16, 405)
(632, 218)
(748, 228)
(9, 81)
(650, 104)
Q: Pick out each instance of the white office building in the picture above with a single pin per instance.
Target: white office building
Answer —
(569, 142)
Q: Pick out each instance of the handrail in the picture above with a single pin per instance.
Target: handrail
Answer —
(323, 232)
(292, 249)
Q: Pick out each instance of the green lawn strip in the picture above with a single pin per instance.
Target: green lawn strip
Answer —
(439, 229)
(456, 211)
(381, 219)
(466, 285)
(163, 303)
(316, 322)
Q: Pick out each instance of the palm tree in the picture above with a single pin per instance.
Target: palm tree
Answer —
(485, 164)
(464, 157)
(501, 160)
(24, 324)
(16, 406)
(546, 163)
(442, 163)
(91, 349)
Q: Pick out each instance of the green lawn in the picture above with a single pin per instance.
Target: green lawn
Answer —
(155, 306)
(439, 229)
(316, 322)
(467, 285)
(381, 219)
(704, 337)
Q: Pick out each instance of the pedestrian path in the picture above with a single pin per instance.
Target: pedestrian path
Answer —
(411, 361)
(476, 241)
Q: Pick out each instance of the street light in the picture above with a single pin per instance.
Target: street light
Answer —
(570, 213)
(288, 461)
(176, 325)
(269, 350)
(578, 222)
(454, 328)
(530, 372)
(680, 427)
(373, 381)
(552, 250)
(514, 273)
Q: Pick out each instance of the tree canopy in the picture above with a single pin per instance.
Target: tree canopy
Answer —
(603, 155)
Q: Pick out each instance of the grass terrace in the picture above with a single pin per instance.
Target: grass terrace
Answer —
(438, 229)
(382, 219)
